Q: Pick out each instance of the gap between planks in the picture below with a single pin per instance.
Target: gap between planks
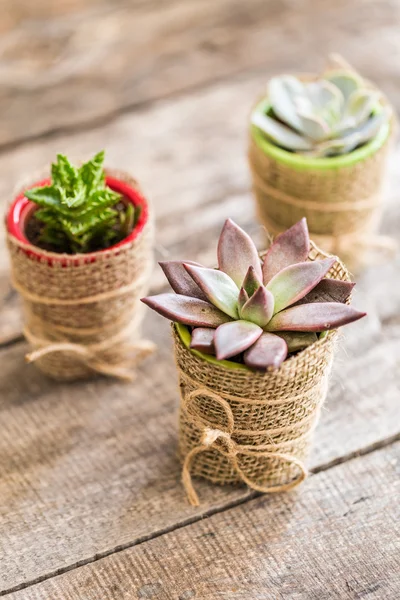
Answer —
(195, 519)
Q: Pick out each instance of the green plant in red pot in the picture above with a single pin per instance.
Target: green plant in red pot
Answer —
(80, 246)
(254, 342)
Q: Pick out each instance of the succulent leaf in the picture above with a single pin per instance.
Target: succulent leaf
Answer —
(294, 282)
(297, 340)
(186, 310)
(283, 92)
(259, 308)
(314, 317)
(203, 340)
(251, 282)
(219, 288)
(290, 247)
(329, 290)
(235, 337)
(269, 350)
(280, 134)
(180, 280)
(237, 252)
(346, 81)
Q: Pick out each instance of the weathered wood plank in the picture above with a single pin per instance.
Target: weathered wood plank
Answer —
(83, 62)
(337, 539)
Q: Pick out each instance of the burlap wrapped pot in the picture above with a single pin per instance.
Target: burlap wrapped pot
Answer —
(82, 312)
(341, 196)
(239, 425)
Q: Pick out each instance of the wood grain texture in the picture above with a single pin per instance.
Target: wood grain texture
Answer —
(337, 539)
(81, 62)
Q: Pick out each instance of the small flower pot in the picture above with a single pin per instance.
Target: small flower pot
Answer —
(340, 196)
(81, 311)
(239, 425)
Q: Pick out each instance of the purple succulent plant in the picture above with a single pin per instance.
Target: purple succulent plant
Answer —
(263, 310)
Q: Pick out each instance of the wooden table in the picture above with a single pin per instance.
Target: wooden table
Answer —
(91, 505)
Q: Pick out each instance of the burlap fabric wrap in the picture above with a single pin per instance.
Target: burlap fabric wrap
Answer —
(83, 316)
(252, 427)
(342, 204)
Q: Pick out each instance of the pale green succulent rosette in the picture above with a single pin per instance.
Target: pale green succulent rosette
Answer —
(318, 149)
(302, 162)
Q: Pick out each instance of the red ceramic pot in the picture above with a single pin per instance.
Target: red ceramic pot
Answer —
(22, 208)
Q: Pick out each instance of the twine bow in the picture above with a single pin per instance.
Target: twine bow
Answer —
(222, 441)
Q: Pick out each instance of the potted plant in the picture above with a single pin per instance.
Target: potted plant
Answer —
(80, 247)
(254, 342)
(318, 147)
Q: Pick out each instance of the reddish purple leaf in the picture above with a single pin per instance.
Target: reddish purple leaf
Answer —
(288, 248)
(259, 308)
(329, 290)
(236, 252)
(186, 310)
(180, 280)
(203, 340)
(314, 317)
(251, 282)
(268, 351)
(218, 287)
(295, 281)
(233, 338)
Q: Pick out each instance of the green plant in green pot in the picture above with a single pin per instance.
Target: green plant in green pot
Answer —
(318, 147)
(254, 342)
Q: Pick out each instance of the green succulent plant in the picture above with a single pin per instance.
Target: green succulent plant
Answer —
(77, 211)
(328, 116)
(262, 310)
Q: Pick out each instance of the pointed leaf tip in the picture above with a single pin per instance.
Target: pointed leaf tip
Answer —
(218, 287)
(186, 310)
(251, 282)
(180, 280)
(322, 316)
(235, 337)
(236, 252)
(290, 247)
(294, 282)
(268, 351)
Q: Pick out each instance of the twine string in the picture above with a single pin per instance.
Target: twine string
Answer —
(355, 242)
(229, 447)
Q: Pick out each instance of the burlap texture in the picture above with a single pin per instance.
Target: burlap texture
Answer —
(93, 305)
(342, 205)
(241, 425)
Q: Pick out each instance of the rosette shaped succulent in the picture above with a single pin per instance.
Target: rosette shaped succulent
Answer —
(256, 311)
(327, 116)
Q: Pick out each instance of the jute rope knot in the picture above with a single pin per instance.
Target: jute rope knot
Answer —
(211, 436)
